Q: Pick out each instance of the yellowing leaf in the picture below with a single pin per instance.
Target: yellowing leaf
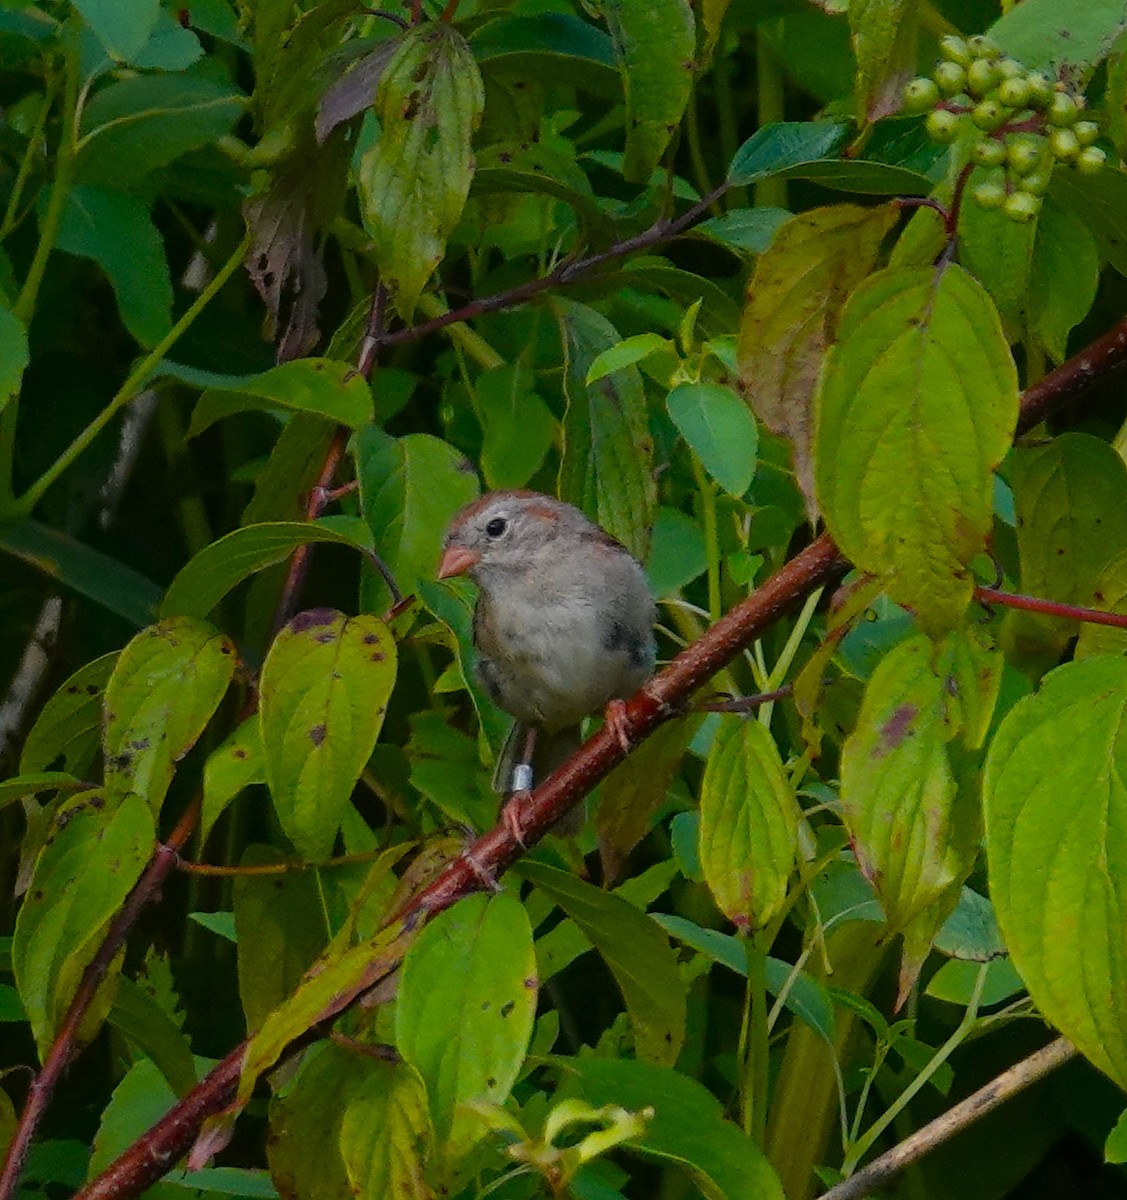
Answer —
(748, 824)
(800, 285)
(918, 403)
(414, 181)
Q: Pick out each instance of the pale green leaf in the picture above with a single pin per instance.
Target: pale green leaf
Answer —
(748, 824)
(1056, 836)
(721, 431)
(917, 404)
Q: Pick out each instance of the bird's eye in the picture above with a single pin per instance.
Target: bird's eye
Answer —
(496, 527)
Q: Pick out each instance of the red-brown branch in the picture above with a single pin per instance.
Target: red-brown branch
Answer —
(154, 1153)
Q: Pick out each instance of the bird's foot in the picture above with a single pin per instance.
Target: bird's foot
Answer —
(512, 817)
(618, 724)
(481, 872)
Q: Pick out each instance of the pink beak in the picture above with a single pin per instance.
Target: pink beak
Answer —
(456, 560)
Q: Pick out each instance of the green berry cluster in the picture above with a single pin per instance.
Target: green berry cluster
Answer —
(1025, 122)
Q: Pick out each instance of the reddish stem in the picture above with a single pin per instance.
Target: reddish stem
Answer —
(1050, 608)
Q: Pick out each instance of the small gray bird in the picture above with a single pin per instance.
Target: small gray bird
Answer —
(563, 624)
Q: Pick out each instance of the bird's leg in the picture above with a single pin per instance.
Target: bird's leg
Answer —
(615, 716)
(521, 788)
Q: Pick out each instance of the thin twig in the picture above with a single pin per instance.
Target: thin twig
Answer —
(1050, 608)
(881, 1171)
(568, 272)
(743, 704)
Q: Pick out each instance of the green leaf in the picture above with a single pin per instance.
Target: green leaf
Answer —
(1110, 595)
(517, 426)
(467, 1000)
(413, 183)
(115, 230)
(1064, 275)
(608, 450)
(748, 824)
(1101, 203)
(677, 552)
(637, 953)
(749, 230)
(1072, 41)
(96, 853)
(330, 986)
(883, 33)
(164, 689)
(655, 42)
(32, 784)
(1115, 1148)
(558, 45)
(311, 385)
(1056, 812)
(144, 122)
(796, 295)
(914, 836)
(386, 1133)
(216, 569)
(409, 489)
(14, 355)
(230, 768)
(117, 588)
(626, 353)
(303, 1148)
(773, 148)
(998, 252)
(802, 994)
(971, 932)
(721, 431)
(323, 693)
(69, 726)
(446, 769)
(1069, 499)
(957, 981)
(138, 1017)
(280, 930)
(917, 404)
(688, 1126)
(122, 26)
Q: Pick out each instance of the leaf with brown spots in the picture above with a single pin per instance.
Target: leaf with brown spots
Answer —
(163, 691)
(92, 857)
(324, 691)
(465, 968)
(914, 829)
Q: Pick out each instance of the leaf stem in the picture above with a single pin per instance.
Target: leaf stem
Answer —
(862, 1144)
(1050, 608)
(711, 537)
(130, 388)
(24, 307)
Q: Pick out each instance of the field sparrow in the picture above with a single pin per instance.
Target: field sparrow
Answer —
(563, 625)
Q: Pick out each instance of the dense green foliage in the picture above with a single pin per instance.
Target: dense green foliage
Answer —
(284, 284)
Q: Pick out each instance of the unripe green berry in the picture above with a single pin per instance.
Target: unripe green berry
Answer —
(989, 195)
(950, 77)
(1086, 132)
(1090, 160)
(1014, 93)
(1064, 144)
(1036, 183)
(983, 47)
(1021, 207)
(1024, 154)
(920, 95)
(988, 114)
(989, 153)
(982, 75)
(1062, 110)
(1010, 68)
(955, 49)
(1041, 91)
(942, 126)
